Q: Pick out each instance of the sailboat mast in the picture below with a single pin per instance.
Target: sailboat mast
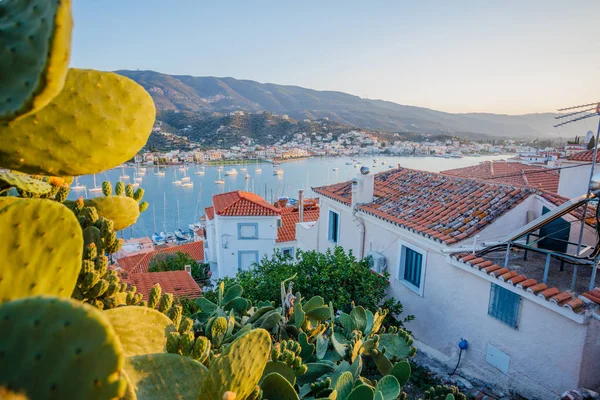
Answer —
(153, 219)
(165, 212)
(178, 224)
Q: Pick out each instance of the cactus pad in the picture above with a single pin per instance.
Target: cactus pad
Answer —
(34, 54)
(361, 392)
(23, 182)
(141, 330)
(402, 371)
(239, 367)
(282, 369)
(59, 349)
(41, 248)
(389, 387)
(396, 346)
(98, 121)
(275, 386)
(122, 210)
(165, 376)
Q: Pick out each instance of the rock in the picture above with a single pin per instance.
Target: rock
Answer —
(464, 383)
(580, 394)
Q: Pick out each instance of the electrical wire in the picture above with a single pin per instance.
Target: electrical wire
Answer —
(455, 368)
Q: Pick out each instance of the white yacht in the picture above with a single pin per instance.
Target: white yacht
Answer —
(231, 171)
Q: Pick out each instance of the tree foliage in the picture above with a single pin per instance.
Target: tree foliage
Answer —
(335, 275)
(591, 144)
(177, 262)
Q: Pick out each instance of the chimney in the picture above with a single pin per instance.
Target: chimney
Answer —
(363, 187)
(301, 205)
(188, 269)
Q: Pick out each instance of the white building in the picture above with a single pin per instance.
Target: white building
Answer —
(575, 173)
(528, 331)
(242, 228)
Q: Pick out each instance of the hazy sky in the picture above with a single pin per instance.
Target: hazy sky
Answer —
(494, 56)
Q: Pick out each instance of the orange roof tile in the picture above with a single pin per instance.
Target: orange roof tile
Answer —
(140, 265)
(444, 208)
(210, 212)
(552, 294)
(512, 173)
(289, 218)
(178, 283)
(240, 203)
(584, 156)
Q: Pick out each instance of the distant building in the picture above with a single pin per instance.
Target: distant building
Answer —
(575, 173)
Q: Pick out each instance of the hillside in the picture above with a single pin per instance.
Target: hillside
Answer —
(210, 94)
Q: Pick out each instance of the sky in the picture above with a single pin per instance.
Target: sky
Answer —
(511, 57)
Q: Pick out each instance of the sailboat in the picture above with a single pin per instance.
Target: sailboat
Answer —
(96, 188)
(77, 185)
(197, 225)
(277, 171)
(199, 170)
(185, 177)
(231, 171)
(123, 176)
(157, 238)
(220, 168)
(141, 171)
(179, 234)
(136, 177)
(175, 180)
(220, 181)
(243, 168)
(159, 172)
(258, 170)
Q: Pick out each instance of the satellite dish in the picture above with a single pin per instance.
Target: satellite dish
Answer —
(365, 170)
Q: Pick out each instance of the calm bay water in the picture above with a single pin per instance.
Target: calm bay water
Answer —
(164, 196)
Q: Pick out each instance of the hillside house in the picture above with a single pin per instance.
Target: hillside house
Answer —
(455, 252)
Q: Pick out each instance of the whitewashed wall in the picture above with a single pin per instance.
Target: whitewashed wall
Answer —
(573, 182)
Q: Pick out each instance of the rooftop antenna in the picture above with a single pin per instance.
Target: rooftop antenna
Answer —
(574, 114)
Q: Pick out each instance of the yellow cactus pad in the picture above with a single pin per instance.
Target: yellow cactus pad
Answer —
(239, 367)
(35, 45)
(98, 121)
(41, 247)
(141, 330)
(24, 182)
(122, 210)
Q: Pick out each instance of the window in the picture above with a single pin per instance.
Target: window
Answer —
(246, 258)
(411, 271)
(247, 231)
(334, 226)
(504, 305)
(288, 251)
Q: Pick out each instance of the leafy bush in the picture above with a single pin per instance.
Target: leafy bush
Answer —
(177, 262)
(335, 275)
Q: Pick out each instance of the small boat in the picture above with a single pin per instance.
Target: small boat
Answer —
(96, 188)
(181, 235)
(258, 170)
(199, 171)
(278, 171)
(231, 171)
(220, 168)
(243, 168)
(185, 179)
(77, 185)
(220, 180)
(348, 163)
(182, 168)
(175, 180)
(170, 237)
(335, 169)
(187, 184)
(383, 163)
(135, 184)
(159, 172)
(142, 170)
(123, 176)
(247, 176)
(158, 238)
(136, 177)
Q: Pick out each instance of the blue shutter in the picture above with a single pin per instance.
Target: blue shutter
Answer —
(330, 235)
(333, 227)
(504, 305)
(412, 266)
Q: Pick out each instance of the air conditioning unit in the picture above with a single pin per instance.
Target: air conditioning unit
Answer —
(377, 261)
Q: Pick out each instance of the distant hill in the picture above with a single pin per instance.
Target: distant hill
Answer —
(210, 94)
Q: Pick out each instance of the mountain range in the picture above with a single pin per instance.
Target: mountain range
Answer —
(212, 94)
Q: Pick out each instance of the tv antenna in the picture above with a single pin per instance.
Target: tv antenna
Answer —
(574, 114)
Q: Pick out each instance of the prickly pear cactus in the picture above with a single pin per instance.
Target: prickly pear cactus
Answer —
(82, 130)
(275, 386)
(165, 376)
(141, 330)
(34, 54)
(24, 183)
(70, 348)
(123, 211)
(41, 248)
(239, 367)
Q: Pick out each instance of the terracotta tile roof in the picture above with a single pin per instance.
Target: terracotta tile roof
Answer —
(584, 156)
(178, 283)
(240, 203)
(289, 218)
(512, 173)
(140, 265)
(550, 294)
(210, 212)
(444, 208)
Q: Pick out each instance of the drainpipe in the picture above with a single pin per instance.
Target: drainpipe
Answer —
(357, 220)
(301, 205)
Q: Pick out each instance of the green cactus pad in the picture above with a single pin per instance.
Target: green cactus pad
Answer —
(384, 366)
(389, 387)
(41, 248)
(59, 349)
(239, 367)
(318, 313)
(359, 318)
(122, 210)
(281, 368)
(165, 376)
(23, 182)
(275, 386)
(98, 121)
(141, 330)
(322, 344)
(362, 392)
(396, 347)
(314, 302)
(402, 372)
(343, 385)
(315, 370)
(91, 234)
(307, 348)
(232, 292)
(35, 46)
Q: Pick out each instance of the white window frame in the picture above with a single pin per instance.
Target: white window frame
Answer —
(402, 245)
